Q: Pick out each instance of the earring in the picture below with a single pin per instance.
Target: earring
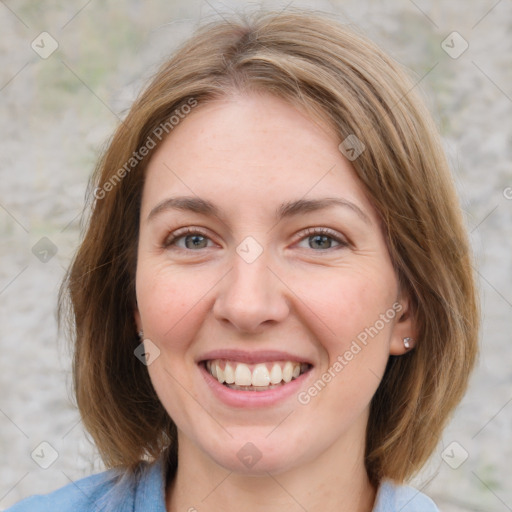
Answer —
(141, 334)
(407, 343)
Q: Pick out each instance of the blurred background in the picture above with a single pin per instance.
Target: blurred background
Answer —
(68, 73)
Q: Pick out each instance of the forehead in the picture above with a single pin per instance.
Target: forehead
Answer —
(250, 151)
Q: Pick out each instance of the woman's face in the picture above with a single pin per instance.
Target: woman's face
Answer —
(260, 257)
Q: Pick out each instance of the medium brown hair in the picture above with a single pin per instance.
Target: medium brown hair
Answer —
(326, 68)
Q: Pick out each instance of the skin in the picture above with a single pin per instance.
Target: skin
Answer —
(248, 154)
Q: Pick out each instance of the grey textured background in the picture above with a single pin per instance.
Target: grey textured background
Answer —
(58, 112)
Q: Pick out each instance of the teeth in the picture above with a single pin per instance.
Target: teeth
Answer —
(287, 371)
(229, 374)
(220, 373)
(255, 376)
(276, 375)
(243, 375)
(260, 376)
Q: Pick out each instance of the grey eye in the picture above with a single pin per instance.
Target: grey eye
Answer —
(195, 241)
(320, 242)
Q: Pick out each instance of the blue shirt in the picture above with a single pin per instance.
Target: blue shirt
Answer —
(115, 491)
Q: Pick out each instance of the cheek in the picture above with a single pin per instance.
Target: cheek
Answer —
(169, 303)
(358, 308)
(347, 301)
(168, 300)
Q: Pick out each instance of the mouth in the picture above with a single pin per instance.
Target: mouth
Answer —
(262, 376)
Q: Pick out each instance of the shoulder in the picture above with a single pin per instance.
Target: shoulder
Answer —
(82, 495)
(75, 496)
(393, 498)
(111, 490)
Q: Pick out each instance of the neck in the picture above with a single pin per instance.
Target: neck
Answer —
(336, 481)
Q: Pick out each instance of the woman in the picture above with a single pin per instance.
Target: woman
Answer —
(273, 306)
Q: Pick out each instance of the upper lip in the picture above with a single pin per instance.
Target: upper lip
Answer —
(253, 357)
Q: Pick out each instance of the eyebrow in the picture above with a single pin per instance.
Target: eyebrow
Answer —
(285, 210)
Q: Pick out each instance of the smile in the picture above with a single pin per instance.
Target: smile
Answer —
(255, 377)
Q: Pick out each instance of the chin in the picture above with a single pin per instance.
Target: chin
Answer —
(256, 455)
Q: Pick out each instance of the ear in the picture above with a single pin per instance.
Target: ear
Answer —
(405, 327)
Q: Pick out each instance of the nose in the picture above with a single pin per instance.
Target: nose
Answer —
(251, 296)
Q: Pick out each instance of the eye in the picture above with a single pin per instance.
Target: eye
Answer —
(187, 239)
(322, 239)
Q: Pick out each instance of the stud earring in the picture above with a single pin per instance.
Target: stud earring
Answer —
(141, 334)
(407, 343)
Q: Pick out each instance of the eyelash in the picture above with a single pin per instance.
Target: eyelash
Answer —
(308, 232)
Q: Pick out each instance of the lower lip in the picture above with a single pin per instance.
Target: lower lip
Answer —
(239, 398)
